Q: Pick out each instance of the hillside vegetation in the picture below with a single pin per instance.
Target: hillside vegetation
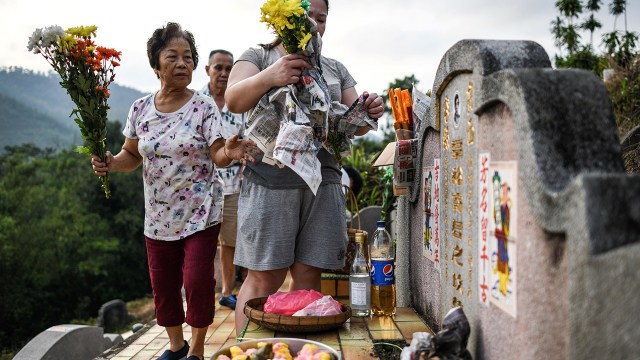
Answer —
(35, 109)
(64, 249)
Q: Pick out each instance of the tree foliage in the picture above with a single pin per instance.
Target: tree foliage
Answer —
(619, 45)
(371, 193)
(584, 58)
(64, 249)
(620, 53)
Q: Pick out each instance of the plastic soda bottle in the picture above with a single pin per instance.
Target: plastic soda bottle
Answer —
(360, 281)
(383, 280)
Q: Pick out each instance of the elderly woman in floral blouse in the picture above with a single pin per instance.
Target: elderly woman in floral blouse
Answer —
(175, 134)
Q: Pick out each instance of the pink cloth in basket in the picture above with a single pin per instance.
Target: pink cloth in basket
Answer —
(287, 303)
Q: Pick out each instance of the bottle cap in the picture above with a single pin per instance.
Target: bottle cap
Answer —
(359, 237)
(380, 223)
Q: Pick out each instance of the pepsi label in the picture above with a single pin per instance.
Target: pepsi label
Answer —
(382, 273)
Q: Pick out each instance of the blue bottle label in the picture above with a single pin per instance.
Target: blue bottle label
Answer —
(382, 273)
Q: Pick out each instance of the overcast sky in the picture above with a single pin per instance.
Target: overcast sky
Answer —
(377, 40)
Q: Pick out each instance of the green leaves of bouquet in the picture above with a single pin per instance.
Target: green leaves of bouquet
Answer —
(86, 70)
(289, 21)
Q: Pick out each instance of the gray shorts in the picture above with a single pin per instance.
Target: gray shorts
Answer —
(277, 227)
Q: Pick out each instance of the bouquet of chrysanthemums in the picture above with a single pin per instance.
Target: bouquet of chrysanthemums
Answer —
(86, 71)
(289, 21)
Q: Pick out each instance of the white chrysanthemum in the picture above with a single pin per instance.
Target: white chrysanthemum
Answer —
(51, 35)
(34, 40)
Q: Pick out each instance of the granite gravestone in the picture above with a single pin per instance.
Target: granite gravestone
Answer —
(68, 341)
(523, 214)
(113, 315)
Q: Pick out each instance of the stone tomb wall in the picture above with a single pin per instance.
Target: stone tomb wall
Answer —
(523, 214)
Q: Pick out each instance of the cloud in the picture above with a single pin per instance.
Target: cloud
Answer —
(377, 40)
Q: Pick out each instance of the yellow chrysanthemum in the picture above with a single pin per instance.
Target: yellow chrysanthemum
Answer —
(282, 8)
(304, 41)
(66, 42)
(286, 18)
(83, 31)
(280, 23)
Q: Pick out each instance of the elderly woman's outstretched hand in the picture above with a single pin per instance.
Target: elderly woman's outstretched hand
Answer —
(101, 168)
(374, 105)
(239, 149)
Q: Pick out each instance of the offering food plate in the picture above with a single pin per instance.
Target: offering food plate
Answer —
(295, 345)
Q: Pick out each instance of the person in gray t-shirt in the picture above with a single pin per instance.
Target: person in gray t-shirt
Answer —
(283, 226)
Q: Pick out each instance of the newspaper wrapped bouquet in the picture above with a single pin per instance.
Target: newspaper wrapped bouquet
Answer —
(86, 70)
(292, 124)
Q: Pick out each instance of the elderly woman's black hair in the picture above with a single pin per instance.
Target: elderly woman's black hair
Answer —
(162, 36)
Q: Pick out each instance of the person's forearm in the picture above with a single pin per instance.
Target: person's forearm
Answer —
(221, 159)
(219, 154)
(125, 161)
(245, 94)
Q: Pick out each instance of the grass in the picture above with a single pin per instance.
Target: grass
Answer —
(388, 349)
(142, 310)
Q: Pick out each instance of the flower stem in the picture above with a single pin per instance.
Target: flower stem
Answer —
(101, 151)
(105, 185)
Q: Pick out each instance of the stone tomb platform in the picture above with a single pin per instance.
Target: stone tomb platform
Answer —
(354, 340)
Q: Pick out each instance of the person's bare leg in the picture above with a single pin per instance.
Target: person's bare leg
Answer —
(227, 269)
(197, 342)
(257, 284)
(305, 277)
(176, 338)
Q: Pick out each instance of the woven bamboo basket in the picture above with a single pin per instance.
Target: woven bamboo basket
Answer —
(253, 309)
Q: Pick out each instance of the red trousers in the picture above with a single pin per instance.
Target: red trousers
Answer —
(187, 262)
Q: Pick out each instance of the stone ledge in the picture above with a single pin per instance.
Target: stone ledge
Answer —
(117, 348)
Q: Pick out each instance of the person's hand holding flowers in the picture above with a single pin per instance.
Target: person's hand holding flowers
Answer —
(287, 70)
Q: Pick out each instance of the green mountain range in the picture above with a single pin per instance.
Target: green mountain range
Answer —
(35, 109)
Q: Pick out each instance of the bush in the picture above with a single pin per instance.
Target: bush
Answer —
(624, 91)
(371, 193)
(65, 249)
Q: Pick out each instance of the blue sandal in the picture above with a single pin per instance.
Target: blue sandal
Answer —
(228, 301)
(175, 355)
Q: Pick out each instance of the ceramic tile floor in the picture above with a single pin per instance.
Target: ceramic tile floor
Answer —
(354, 340)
